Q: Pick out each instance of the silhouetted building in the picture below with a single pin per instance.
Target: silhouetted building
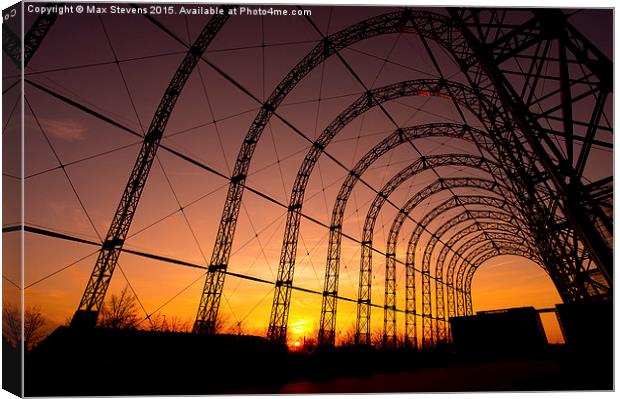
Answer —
(506, 330)
(587, 326)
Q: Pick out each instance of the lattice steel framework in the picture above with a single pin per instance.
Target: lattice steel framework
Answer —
(99, 281)
(447, 205)
(453, 268)
(477, 225)
(464, 299)
(501, 250)
(505, 56)
(390, 290)
(458, 41)
(12, 45)
(422, 164)
(373, 98)
(501, 221)
(397, 138)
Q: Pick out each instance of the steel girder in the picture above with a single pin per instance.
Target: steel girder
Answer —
(571, 105)
(281, 302)
(515, 241)
(12, 45)
(467, 215)
(99, 280)
(422, 164)
(432, 26)
(447, 205)
(397, 138)
(389, 320)
(481, 255)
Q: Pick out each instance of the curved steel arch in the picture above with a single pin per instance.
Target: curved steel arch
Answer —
(212, 291)
(424, 163)
(99, 280)
(426, 192)
(426, 24)
(450, 203)
(501, 221)
(506, 223)
(471, 245)
(389, 320)
(482, 256)
(491, 254)
(454, 306)
(500, 248)
(397, 138)
(467, 215)
(375, 97)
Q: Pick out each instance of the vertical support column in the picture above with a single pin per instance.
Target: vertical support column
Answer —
(362, 328)
(440, 310)
(389, 307)
(411, 333)
(99, 280)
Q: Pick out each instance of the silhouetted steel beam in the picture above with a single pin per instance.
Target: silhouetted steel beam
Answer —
(99, 280)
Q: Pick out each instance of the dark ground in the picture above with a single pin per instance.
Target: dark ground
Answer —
(106, 362)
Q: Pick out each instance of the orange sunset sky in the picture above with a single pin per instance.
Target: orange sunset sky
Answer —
(208, 124)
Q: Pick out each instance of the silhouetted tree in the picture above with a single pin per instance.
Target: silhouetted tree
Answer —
(222, 324)
(159, 322)
(348, 337)
(33, 326)
(376, 337)
(11, 324)
(120, 312)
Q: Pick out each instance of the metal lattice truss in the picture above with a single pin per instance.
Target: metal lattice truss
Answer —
(99, 281)
(539, 90)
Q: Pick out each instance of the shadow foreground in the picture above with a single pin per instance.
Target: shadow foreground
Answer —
(109, 362)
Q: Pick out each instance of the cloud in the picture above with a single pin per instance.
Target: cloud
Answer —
(67, 130)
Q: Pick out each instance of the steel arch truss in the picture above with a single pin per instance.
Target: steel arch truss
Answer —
(397, 138)
(451, 90)
(99, 280)
(509, 222)
(480, 255)
(570, 221)
(425, 24)
(449, 204)
(433, 26)
(429, 25)
(420, 165)
(12, 44)
(571, 104)
(389, 326)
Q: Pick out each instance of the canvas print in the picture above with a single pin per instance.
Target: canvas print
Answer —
(211, 198)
